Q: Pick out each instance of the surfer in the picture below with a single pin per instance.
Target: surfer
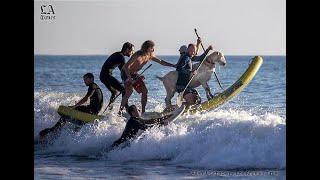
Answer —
(115, 60)
(131, 68)
(184, 65)
(191, 98)
(135, 125)
(183, 51)
(96, 101)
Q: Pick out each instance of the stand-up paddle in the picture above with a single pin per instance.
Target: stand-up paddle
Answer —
(132, 82)
(195, 30)
(180, 96)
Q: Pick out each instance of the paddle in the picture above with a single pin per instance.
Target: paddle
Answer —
(195, 30)
(133, 82)
(180, 96)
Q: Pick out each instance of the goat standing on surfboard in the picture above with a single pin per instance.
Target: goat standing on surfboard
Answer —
(177, 80)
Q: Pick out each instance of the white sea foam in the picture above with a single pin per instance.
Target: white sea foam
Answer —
(220, 139)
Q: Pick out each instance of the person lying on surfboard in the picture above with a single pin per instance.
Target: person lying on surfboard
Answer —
(130, 70)
(184, 65)
(115, 60)
(135, 126)
(95, 96)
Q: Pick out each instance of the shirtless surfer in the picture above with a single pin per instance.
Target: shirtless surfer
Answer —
(131, 68)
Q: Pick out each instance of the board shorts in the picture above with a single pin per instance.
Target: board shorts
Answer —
(138, 85)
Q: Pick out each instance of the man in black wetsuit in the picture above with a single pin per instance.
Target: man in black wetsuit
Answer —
(117, 59)
(135, 125)
(96, 101)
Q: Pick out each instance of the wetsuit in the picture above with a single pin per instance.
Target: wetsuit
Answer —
(96, 102)
(117, 59)
(184, 68)
(133, 126)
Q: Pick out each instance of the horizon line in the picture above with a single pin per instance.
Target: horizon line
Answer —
(156, 55)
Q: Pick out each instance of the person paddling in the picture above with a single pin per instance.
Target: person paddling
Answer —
(184, 65)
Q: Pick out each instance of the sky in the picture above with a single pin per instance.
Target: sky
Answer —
(234, 27)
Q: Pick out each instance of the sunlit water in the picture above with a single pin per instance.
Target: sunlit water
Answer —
(244, 138)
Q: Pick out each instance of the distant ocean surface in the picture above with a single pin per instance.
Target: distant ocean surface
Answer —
(244, 138)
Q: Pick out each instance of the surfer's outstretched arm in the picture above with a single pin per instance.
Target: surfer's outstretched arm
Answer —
(162, 62)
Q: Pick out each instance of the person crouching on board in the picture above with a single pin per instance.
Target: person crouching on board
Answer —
(135, 126)
(95, 96)
(191, 98)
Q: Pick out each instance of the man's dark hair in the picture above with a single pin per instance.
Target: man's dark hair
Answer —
(88, 75)
(131, 109)
(126, 45)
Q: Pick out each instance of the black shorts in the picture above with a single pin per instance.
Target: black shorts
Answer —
(124, 77)
(112, 84)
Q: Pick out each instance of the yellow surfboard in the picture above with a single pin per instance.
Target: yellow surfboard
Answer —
(233, 90)
(86, 117)
(78, 115)
(216, 101)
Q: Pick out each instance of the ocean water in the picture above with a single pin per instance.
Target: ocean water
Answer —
(243, 139)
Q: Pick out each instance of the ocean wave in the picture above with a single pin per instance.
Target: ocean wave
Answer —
(225, 138)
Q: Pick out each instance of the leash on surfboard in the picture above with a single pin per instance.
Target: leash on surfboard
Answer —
(195, 30)
(111, 101)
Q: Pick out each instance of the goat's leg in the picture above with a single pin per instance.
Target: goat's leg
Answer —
(168, 98)
(208, 91)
